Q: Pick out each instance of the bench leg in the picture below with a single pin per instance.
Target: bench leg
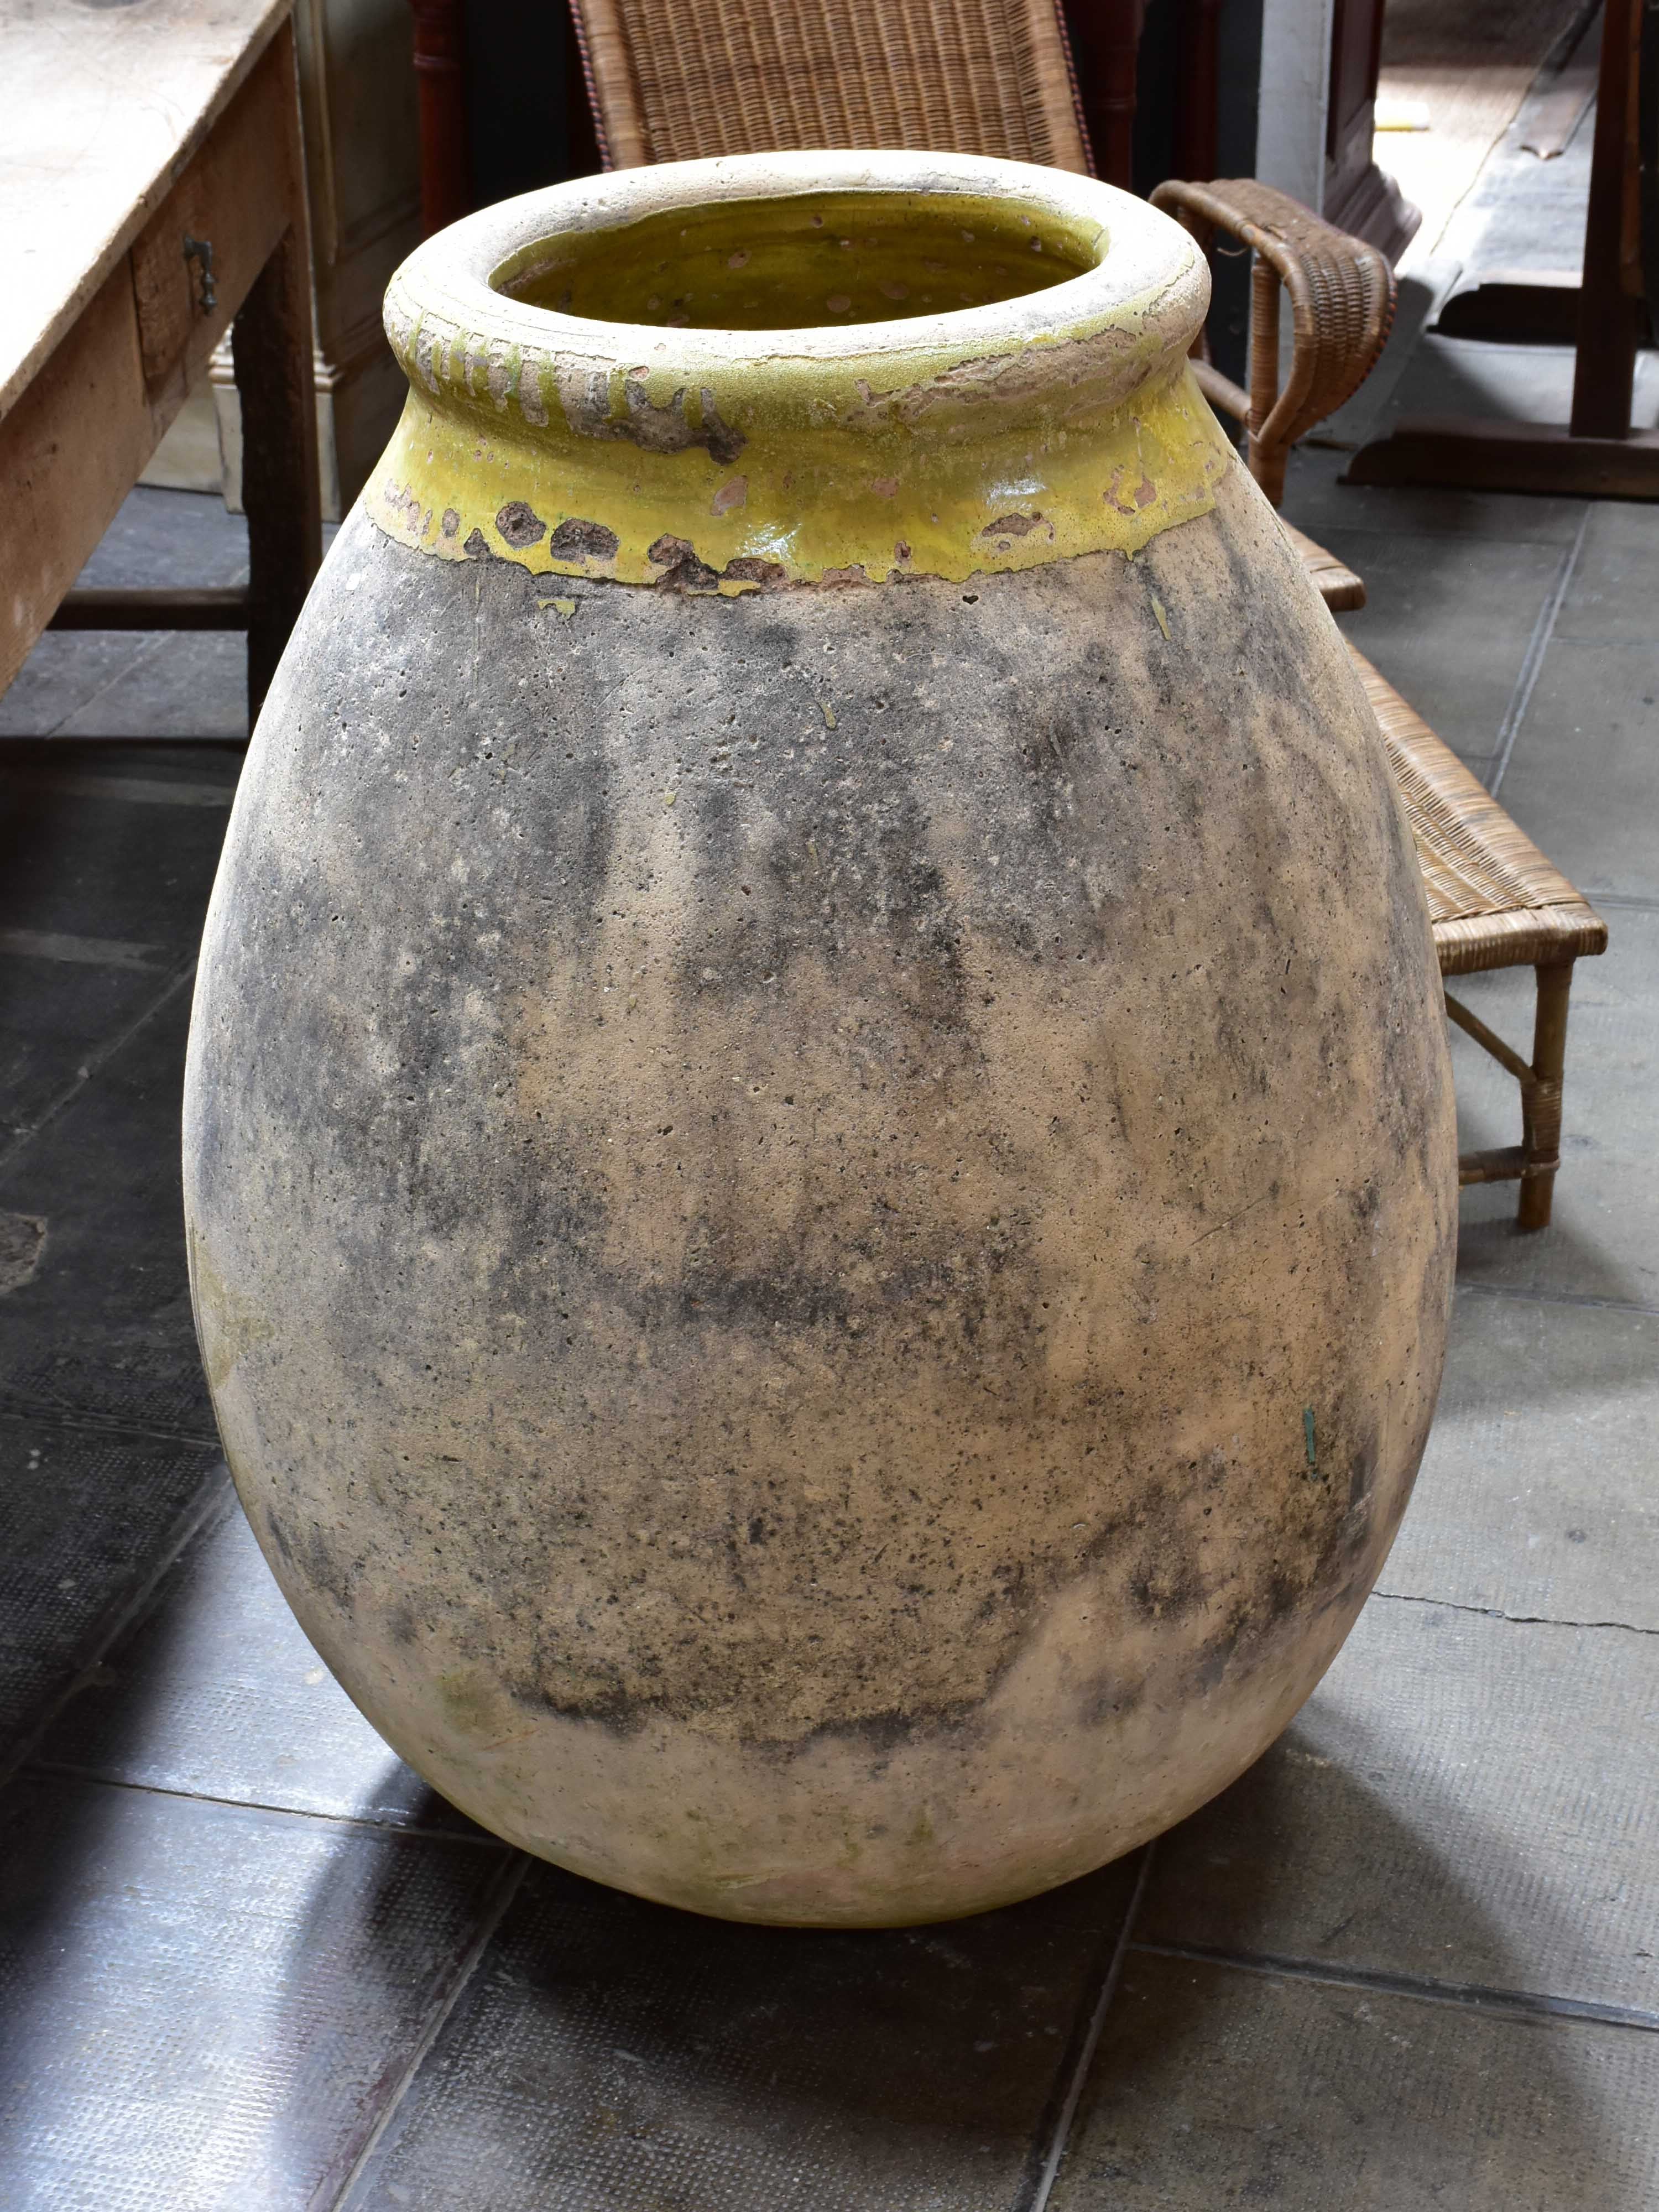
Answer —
(1541, 1097)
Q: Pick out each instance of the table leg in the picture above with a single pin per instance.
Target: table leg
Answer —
(272, 344)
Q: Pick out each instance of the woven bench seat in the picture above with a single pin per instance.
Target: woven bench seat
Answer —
(1494, 902)
(1494, 899)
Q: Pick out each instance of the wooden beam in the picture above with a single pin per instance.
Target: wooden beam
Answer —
(212, 608)
(1515, 308)
(1604, 378)
(1476, 454)
(1506, 1163)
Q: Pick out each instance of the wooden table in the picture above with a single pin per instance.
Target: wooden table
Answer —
(151, 189)
(1597, 454)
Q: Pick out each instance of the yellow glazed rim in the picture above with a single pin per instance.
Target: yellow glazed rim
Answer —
(1060, 422)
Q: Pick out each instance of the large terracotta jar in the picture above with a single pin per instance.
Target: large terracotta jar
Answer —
(819, 1147)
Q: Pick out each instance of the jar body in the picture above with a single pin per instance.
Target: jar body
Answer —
(822, 1220)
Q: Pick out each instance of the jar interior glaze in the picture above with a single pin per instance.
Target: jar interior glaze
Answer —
(822, 259)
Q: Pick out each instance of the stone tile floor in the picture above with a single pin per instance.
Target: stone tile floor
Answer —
(249, 1963)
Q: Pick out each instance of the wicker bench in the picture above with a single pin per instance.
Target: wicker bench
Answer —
(1494, 900)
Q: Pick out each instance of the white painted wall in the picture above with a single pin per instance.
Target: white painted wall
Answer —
(1296, 76)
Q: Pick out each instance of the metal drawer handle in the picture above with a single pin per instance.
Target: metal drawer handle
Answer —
(200, 250)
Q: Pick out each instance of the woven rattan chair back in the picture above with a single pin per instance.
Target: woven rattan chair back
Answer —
(675, 83)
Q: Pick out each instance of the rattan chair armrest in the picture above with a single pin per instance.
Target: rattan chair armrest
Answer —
(1342, 300)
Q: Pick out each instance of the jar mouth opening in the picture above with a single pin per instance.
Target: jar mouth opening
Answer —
(814, 260)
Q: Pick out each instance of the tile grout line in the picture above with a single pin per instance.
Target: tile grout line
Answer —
(87, 1420)
(70, 950)
(140, 659)
(1623, 903)
(1350, 526)
(105, 1778)
(1468, 1996)
(1033, 2194)
(25, 1134)
(1497, 1612)
(1532, 665)
(1585, 1299)
(329, 2197)
(213, 1496)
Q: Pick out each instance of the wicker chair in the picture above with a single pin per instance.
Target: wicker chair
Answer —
(995, 76)
(751, 76)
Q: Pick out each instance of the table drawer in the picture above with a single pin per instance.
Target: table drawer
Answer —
(193, 262)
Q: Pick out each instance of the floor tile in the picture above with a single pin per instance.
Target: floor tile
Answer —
(58, 763)
(170, 538)
(1448, 622)
(1316, 500)
(1603, 1241)
(1523, 217)
(1524, 212)
(104, 1325)
(1537, 1493)
(1583, 779)
(1611, 598)
(1465, 1800)
(30, 1682)
(217, 1693)
(188, 458)
(1214, 2088)
(80, 858)
(196, 688)
(1453, 376)
(615, 2054)
(1505, 383)
(65, 669)
(54, 1014)
(86, 1516)
(141, 684)
(202, 2007)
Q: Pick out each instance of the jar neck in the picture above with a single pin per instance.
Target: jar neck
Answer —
(1053, 415)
